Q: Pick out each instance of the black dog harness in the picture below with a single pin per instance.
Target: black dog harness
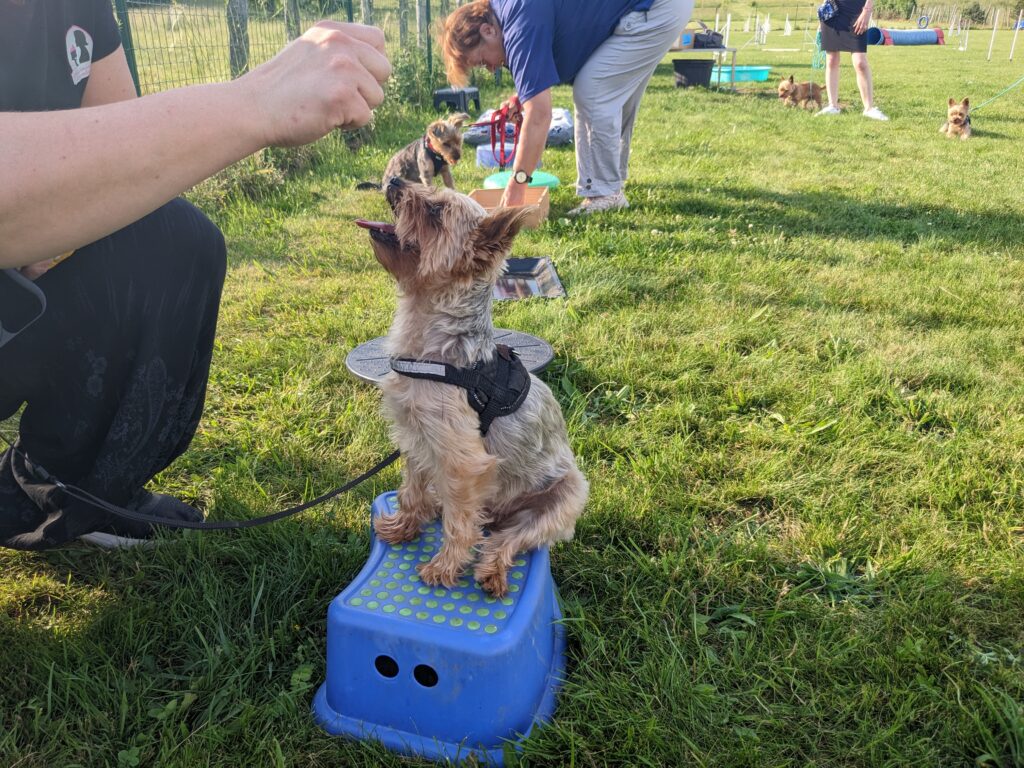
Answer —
(439, 162)
(493, 389)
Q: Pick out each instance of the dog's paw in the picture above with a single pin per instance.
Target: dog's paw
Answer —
(440, 571)
(396, 529)
(492, 580)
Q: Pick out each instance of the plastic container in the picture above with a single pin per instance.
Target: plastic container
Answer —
(691, 72)
(445, 674)
(487, 156)
(744, 74)
(540, 179)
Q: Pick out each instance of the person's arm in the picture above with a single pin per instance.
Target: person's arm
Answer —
(140, 153)
(533, 137)
(110, 81)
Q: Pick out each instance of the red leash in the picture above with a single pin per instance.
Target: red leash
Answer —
(498, 121)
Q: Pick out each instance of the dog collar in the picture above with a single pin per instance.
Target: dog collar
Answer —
(438, 160)
(495, 388)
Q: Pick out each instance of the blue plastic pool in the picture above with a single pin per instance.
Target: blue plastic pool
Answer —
(720, 75)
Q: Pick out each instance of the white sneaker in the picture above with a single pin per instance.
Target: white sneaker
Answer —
(875, 114)
(600, 203)
(829, 110)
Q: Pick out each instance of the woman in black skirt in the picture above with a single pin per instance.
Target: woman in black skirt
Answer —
(848, 31)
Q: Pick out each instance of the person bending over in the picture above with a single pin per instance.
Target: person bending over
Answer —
(607, 49)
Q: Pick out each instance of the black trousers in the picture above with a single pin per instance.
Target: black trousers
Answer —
(113, 376)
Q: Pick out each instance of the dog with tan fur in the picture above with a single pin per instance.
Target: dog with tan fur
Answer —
(795, 94)
(484, 442)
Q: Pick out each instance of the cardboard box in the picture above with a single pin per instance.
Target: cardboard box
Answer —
(490, 198)
(685, 41)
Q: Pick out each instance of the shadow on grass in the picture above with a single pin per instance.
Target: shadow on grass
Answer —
(832, 215)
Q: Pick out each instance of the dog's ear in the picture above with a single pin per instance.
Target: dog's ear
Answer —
(791, 78)
(966, 102)
(496, 231)
(459, 119)
(952, 101)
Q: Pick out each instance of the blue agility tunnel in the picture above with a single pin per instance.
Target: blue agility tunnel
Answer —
(881, 36)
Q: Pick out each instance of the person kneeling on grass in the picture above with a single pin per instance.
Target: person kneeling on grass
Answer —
(113, 374)
(608, 50)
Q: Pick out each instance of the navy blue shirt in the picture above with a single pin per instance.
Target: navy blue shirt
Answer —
(849, 10)
(547, 42)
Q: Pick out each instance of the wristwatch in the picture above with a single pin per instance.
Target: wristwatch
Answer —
(522, 177)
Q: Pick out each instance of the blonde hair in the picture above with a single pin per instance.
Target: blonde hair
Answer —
(461, 35)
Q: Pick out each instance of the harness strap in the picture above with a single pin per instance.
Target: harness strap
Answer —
(435, 157)
(493, 389)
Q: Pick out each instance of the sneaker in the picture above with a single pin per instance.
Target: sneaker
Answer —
(829, 110)
(124, 534)
(601, 203)
(875, 114)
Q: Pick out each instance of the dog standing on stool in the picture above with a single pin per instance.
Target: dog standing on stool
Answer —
(484, 458)
(434, 153)
(958, 120)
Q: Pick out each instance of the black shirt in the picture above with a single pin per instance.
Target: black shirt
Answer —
(47, 48)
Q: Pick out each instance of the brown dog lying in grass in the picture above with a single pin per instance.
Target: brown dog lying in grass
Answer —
(518, 481)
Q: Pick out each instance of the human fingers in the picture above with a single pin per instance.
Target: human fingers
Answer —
(372, 36)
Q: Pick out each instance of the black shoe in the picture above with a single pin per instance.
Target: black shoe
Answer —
(124, 533)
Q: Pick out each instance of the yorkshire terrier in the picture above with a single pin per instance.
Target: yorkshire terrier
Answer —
(799, 94)
(433, 153)
(516, 478)
(958, 120)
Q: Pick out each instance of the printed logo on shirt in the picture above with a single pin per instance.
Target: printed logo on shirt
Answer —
(78, 44)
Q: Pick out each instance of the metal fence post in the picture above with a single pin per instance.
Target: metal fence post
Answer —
(403, 24)
(292, 21)
(238, 36)
(367, 8)
(126, 41)
(430, 53)
(349, 10)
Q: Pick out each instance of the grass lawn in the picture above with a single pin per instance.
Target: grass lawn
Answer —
(791, 372)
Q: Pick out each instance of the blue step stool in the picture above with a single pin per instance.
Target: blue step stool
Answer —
(440, 673)
(457, 98)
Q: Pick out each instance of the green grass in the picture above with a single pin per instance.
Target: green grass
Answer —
(792, 373)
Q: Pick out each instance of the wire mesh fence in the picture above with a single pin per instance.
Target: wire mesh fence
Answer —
(171, 43)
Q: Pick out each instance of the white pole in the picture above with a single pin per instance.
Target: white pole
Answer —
(728, 29)
(991, 42)
(1016, 29)
(716, 21)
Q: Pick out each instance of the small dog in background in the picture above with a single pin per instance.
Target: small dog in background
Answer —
(799, 94)
(515, 475)
(958, 120)
(434, 153)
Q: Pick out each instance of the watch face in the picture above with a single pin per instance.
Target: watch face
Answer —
(521, 177)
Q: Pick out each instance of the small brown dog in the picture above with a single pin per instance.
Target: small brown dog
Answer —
(515, 476)
(799, 94)
(958, 120)
(434, 153)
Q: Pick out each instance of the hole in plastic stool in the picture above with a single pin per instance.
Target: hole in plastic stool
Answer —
(425, 676)
(387, 666)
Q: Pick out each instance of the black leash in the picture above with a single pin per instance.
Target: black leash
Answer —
(84, 496)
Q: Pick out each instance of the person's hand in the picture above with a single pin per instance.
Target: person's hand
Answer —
(861, 24)
(514, 194)
(514, 107)
(328, 78)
